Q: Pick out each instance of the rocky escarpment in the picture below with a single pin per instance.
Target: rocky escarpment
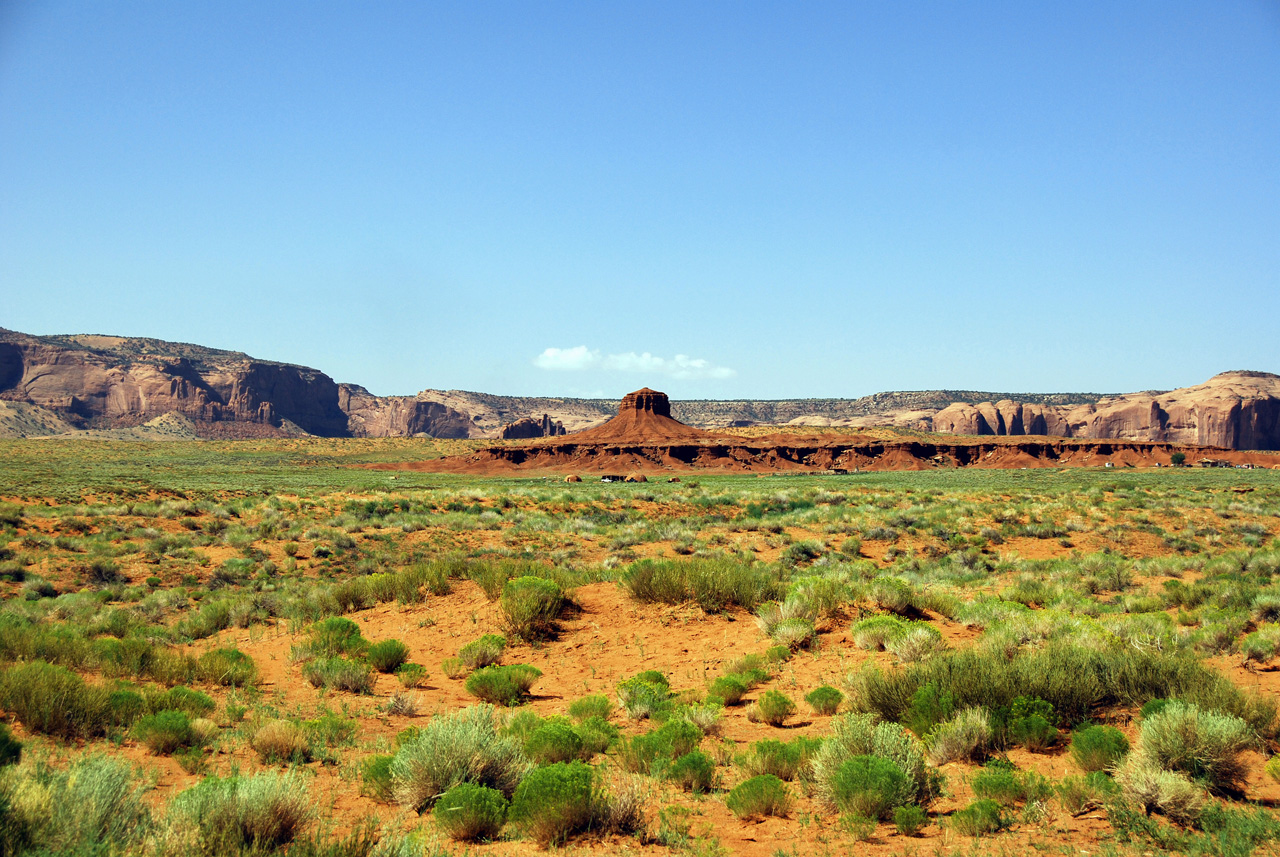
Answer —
(100, 382)
(528, 428)
(401, 416)
(1235, 410)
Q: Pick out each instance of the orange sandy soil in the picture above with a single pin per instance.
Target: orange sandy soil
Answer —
(609, 638)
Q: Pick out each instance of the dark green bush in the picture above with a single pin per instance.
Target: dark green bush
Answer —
(55, 701)
(785, 761)
(387, 656)
(729, 689)
(503, 685)
(824, 700)
(469, 813)
(979, 818)
(1033, 732)
(554, 802)
(1009, 787)
(648, 753)
(228, 667)
(194, 702)
(598, 735)
(694, 771)
(10, 747)
(1098, 748)
(164, 732)
(596, 705)
(774, 707)
(483, 652)
(765, 795)
(910, 819)
(554, 741)
(868, 786)
(336, 636)
(644, 695)
(338, 673)
(375, 779)
(530, 607)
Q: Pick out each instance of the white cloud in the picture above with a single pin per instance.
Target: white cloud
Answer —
(579, 358)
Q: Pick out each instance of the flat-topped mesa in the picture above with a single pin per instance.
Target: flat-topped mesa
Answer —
(646, 400)
(643, 417)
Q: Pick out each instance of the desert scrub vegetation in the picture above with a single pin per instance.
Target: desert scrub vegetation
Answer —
(839, 571)
(464, 746)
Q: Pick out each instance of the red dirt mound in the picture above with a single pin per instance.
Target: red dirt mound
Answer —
(643, 417)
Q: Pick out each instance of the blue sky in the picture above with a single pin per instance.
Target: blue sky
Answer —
(716, 199)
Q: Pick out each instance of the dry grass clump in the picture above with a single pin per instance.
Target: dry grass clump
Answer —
(281, 742)
(965, 736)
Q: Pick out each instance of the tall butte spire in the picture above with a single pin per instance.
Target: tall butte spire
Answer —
(643, 417)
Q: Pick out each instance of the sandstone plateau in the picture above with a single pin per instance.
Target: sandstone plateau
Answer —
(644, 438)
(61, 385)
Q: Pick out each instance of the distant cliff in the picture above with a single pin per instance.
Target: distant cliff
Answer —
(54, 384)
(104, 382)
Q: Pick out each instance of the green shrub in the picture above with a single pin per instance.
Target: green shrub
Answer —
(774, 708)
(503, 685)
(338, 673)
(96, 800)
(761, 796)
(713, 584)
(55, 701)
(596, 705)
(375, 779)
(483, 652)
(910, 820)
(868, 786)
(412, 675)
(729, 689)
(597, 735)
(554, 802)
(1098, 748)
(1033, 732)
(875, 632)
(644, 754)
(784, 761)
(979, 818)
(460, 747)
(387, 656)
(824, 700)
(929, 707)
(1009, 787)
(469, 813)
(1203, 744)
(1273, 768)
(554, 741)
(644, 695)
(164, 732)
(255, 814)
(530, 607)
(228, 667)
(194, 702)
(694, 772)
(860, 735)
(331, 730)
(336, 636)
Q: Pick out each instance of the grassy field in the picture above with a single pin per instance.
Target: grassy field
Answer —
(263, 647)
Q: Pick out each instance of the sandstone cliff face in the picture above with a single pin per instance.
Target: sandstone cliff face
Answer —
(111, 382)
(528, 428)
(401, 416)
(1235, 410)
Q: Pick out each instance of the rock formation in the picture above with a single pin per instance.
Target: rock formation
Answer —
(528, 428)
(1234, 410)
(643, 417)
(401, 416)
(100, 382)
